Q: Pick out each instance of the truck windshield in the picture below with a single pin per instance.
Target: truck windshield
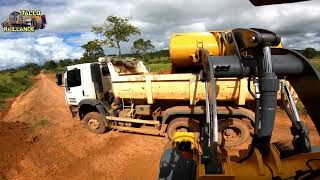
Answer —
(73, 78)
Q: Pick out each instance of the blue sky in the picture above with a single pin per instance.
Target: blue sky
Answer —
(69, 24)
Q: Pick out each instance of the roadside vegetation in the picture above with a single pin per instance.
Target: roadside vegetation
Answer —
(14, 81)
(316, 63)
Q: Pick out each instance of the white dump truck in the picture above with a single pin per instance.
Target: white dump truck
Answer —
(123, 95)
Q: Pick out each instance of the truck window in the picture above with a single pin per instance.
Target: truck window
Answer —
(105, 71)
(73, 78)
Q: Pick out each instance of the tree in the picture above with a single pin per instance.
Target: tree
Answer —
(141, 46)
(32, 68)
(309, 53)
(116, 30)
(50, 65)
(76, 61)
(93, 51)
(65, 62)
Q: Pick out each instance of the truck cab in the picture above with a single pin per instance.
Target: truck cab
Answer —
(90, 83)
(84, 81)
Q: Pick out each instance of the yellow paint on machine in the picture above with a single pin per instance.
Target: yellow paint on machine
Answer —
(256, 167)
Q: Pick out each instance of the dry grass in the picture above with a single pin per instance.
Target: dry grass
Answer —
(316, 63)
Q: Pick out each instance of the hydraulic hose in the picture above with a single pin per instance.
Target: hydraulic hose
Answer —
(256, 96)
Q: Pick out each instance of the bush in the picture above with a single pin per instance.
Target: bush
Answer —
(162, 60)
(11, 84)
(32, 68)
(50, 65)
(309, 53)
(21, 80)
(5, 89)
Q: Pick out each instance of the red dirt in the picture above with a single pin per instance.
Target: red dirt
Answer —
(64, 149)
(165, 71)
(15, 141)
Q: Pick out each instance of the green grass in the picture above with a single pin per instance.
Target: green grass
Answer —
(157, 60)
(11, 85)
(38, 123)
(156, 64)
(316, 63)
(158, 67)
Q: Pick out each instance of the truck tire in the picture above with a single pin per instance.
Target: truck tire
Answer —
(94, 122)
(233, 132)
(182, 124)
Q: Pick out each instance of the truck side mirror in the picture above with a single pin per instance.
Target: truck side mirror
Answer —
(59, 79)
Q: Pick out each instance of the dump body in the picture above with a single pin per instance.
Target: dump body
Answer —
(179, 87)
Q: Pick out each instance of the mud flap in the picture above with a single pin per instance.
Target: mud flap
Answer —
(102, 111)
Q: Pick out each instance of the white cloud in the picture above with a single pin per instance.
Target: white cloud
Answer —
(83, 38)
(37, 50)
(302, 41)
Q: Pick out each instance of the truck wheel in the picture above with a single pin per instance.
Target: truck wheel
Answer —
(182, 124)
(233, 132)
(94, 121)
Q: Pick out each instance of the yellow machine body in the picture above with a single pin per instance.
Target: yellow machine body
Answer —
(183, 47)
(256, 167)
(263, 168)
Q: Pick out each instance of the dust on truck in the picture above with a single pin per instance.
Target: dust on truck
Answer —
(123, 95)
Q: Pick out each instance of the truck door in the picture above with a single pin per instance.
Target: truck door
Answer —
(106, 78)
(74, 87)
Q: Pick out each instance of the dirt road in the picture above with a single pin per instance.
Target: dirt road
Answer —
(55, 146)
(66, 150)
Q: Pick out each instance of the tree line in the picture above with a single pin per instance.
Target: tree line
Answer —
(310, 53)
